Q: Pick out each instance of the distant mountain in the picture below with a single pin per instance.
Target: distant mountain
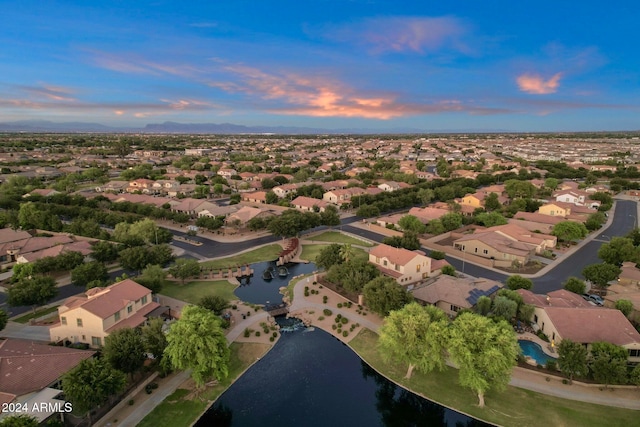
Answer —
(206, 128)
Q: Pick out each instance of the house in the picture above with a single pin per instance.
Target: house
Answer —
(193, 207)
(30, 374)
(403, 265)
(427, 213)
(285, 189)
(452, 294)
(389, 186)
(142, 185)
(112, 187)
(255, 197)
(227, 173)
(561, 209)
(561, 315)
(309, 204)
(535, 221)
(44, 192)
(242, 216)
(338, 197)
(218, 211)
(90, 317)
(618, 291)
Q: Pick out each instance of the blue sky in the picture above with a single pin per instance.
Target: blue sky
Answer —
(517, 66)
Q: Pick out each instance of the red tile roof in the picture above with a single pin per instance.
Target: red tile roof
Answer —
(589, 325)
(104, 302)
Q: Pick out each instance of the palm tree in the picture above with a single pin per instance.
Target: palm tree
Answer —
(346, 251)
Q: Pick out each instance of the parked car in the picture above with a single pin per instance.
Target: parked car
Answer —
(597, 299)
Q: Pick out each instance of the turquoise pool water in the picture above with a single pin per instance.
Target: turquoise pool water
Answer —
(533, 350)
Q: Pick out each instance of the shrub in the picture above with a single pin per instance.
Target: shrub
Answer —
(349, 304)
(327, 312)
(315, 283)
(257, 333)
(334, 327)
(339, 330)
(272, 339)
(324, 299)
(275, 334)
(548, 379)
(306, 293)
(321, 318)
(551, 365)
(565, 381)
(234, 307)
(345, 333)
(339, 305)
(131, 402)
(344, 320)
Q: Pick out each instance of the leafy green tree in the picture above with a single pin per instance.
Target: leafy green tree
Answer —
(437, 255)
(196, 341)
(20, 420)
(161, 254)
(415, 335)
(352, 275)
(91, 383)
(572, 359)
(519, 189)
(346, 252)
(608, 363)
(412, 223)
(491, 202)
(271, 198)
(568, 231)
(601, 274)
(505, 308)
(634, 377)
(154, 338)
(152, 277)
(34, 291)
(551, 183)
(215, 303)
(483, 306)
(435, 227)
(384, 294)
(184, 269)
(518, 282)
(595, 221)
(30, 216)
(124, 350)
(85, 273)
(449, 270)
(625, 306)
(525, 312)
(135, 258)
(292, 222)
(619, 250)
(490, 219)
(329, 256)
(485, 352)
(451, 221)
(426, 195)
(634, 235)
(330, 217)
(575, 285)
(104, 252)
(4, 318)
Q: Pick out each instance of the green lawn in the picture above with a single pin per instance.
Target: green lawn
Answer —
(182, 409)
(310, 252)
(265, 253)
(192, 292)
(513, 407)
(39, 313)
(337, 237)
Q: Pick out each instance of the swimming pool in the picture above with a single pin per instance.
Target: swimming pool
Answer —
(534, 351)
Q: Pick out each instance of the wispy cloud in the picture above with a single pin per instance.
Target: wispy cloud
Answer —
(324, 97)
(56, 93)
(134, 64)
(537, 85)
(419, 35)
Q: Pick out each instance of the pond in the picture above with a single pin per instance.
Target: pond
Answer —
(312, 379)
(256, 290)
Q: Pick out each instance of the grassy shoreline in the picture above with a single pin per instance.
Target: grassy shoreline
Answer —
(513, 407)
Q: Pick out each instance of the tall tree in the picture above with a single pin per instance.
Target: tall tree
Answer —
(152, 277)
(197, 342)
(91, 384)
(412, 223)
(124, 350)
(415, 335)
(485, 352)
(505, 308)
(575, 285)
(85, 273)
(184, 269)
(491, 202)
(619, 250)
(154, 338)
(384, 294)
(215, 303)
(104, 252)
(568, 231)
(572, 359)
(33, 291)
(608, 363)
(601, 274)
(329, 256)
(625, 306)
(347, 252)
(518, 282)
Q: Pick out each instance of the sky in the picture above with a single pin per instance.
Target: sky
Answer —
(329, 64)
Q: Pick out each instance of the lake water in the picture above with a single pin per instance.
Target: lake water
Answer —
(259, 291)
(311, 379)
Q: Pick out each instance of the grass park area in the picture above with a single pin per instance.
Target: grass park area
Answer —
(310, 252)
(265, 253)
(192, 292)
(513, 407)
(338, 237)
(39, 313)
(184, 407)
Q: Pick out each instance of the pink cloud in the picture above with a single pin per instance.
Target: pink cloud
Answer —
(537, 85)
(324, 97)
(402, 34)
(55, 93)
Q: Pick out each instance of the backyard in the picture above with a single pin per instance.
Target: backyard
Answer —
(513, 407)
(338, 237)
(310, 252)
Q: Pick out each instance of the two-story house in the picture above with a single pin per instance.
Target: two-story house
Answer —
(90, 317)
(403, 265)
